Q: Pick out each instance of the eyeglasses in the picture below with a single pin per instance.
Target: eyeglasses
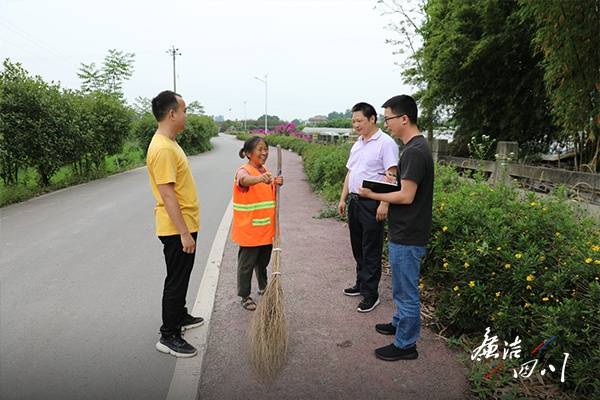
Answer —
(386, 119)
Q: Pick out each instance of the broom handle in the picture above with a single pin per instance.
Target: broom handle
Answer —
(277, 231)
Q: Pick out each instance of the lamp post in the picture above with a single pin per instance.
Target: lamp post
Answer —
(245, 116)
(265, 82)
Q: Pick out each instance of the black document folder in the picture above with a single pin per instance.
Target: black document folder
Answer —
(380, 187)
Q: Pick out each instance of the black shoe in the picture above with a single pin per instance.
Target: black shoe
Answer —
(176, 346)
(367, 305)
(189, 322)
(386, 329)
(352, 291)
(393, 353)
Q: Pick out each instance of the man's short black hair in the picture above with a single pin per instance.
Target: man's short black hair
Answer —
(367, 110)
(403, 105)
(163, 103)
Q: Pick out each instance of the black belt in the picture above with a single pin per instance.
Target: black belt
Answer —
(355, 196)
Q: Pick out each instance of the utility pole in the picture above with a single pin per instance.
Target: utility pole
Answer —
(174, 53)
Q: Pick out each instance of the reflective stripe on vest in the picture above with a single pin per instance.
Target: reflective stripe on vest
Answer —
(254, 206)
(261, 221)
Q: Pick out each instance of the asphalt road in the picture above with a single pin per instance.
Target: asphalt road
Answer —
(81, 276)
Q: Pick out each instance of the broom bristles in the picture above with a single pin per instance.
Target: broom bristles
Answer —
(268, 332)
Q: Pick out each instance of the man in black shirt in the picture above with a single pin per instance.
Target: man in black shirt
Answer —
(409, 219)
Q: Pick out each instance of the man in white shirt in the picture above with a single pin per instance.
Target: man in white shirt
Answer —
(374, 156)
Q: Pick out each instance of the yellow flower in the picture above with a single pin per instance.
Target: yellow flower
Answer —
(533, 204)
(498, 248)
(444, 229)
(518, 256)
(530, 278)
(588, 260)
(507, 266)
(528, 287)
(527, 305)
(595, 248)
(497, 294)
(421, 286)
(545, 209)
(472, 284)
(557, 234)
(542, 258)
(445, 265)
(597, 262)
(467, 265)
(456, 288)
(545, 299)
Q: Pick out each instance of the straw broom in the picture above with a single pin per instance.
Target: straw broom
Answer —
(268, 330)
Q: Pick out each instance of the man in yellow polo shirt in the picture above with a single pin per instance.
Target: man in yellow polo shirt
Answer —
(177, 218)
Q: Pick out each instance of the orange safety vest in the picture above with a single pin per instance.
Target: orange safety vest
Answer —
(253, 212)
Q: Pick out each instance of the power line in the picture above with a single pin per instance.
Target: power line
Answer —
(31, 39)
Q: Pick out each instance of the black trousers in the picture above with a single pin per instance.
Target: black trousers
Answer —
(252, 259)
(179, 269)
(366, 238)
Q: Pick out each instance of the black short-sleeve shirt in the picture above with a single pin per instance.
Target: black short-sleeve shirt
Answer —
(410, 224)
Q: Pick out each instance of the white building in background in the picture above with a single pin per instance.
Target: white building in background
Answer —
(326, 131)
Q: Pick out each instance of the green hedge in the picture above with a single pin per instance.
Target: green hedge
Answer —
(194, 139)
(520, 264)
(51, 137)
(46, 127)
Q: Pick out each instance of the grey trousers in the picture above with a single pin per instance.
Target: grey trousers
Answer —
(252, 259)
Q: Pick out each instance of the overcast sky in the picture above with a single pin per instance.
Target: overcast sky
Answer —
(320, 55)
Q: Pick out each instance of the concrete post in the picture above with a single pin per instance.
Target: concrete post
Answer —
(506, 152)
(439, 149)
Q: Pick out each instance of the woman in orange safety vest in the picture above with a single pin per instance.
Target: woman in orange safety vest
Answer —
(253, 218)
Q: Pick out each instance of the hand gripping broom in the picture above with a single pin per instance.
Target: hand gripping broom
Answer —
(268, 330)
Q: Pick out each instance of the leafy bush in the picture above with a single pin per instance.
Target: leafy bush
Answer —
(520, 264)
(37, 123)
(194, 139)
(325, 168)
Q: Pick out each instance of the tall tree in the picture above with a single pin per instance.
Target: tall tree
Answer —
(116, 68)
(195, 107)
(567, 35)
(408, 21)
(478, 63)
(142, 105)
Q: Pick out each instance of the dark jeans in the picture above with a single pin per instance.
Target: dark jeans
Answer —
(366, 238)
(179, 269)
(252, 259)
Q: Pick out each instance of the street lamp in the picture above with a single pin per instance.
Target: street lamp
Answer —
(265, 82)
(245, 116)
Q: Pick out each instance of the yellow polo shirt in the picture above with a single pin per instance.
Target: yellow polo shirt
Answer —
(167, 163)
